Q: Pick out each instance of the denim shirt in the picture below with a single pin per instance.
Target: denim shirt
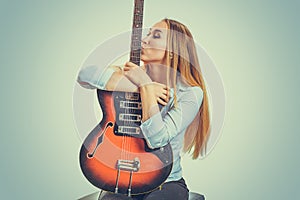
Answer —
(165, 127)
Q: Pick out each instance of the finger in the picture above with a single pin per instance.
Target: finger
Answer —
(161, 102)
(166, 92)
(163, 96)
(130, 65)
(126, 68)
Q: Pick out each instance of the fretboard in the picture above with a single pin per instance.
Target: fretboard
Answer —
(136, 36)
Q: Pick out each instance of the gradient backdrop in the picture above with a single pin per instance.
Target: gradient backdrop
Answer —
(254, 44)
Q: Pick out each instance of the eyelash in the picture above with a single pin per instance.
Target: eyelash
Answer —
(154, 36)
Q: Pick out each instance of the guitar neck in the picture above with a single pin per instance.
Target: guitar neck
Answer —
(136, 35)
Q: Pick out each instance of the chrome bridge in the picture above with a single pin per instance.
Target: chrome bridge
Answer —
(130, 166)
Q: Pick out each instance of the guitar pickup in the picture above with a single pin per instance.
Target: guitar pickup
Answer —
(130, 117)
(130, 104)
(129, 130)
(132, 96)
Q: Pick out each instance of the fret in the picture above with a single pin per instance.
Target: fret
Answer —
(135, 44)
(135, 55)
(136, 33)
(136, 36)
(135, 52)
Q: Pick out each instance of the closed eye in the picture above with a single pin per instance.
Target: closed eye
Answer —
(156, 33)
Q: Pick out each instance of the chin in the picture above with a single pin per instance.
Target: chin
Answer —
(143, 59)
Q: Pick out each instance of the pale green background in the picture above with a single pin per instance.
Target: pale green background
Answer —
(255, 45)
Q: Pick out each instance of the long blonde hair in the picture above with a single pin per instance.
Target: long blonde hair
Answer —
(181, 55)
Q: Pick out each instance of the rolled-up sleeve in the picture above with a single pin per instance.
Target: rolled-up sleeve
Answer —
(159, 131)
(93, 77)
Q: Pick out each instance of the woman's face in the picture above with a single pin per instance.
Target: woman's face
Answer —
(154, 44)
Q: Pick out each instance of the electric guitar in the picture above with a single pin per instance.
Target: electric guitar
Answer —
(114, 156)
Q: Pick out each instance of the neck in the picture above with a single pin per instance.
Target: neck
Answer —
(159, 72)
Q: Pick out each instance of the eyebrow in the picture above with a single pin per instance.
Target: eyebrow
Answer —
(156, 30)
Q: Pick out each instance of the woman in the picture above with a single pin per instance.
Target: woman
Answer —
(170, 77)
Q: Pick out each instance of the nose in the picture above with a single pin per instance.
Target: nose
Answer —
(145, 40)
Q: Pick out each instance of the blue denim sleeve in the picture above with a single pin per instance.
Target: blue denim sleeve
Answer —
(159, 131)
(93, 77)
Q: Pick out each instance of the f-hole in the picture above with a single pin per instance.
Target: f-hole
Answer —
(100, 139)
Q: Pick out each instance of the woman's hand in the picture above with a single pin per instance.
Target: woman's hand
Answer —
(136, 74)
(161, 92)
(140, 78)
